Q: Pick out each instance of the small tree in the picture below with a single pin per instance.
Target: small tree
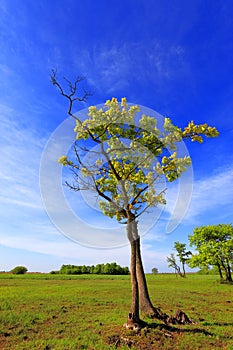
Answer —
(125, 174)
(214, 246)
(172, 263)
(183, 255)
(19, 270)
(155, 271)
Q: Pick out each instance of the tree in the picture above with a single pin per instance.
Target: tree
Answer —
(19, 270)
(126, 166)
(214, 246)
(183, 255)
(172, 263)
(155, 271)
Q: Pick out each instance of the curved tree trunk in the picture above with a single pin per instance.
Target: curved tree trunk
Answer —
(140, 295)
(145, 303)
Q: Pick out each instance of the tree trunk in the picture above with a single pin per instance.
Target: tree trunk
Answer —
(229, 277)
(133, 319)
(140, 294)
(220, 271)
(145, 303)
(184, 273)
(134, 283)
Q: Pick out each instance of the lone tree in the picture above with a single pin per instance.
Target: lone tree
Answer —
(172, 263)
(183, 255)
(19, 270)
(155, 270)
(214, 246)
(124, 169)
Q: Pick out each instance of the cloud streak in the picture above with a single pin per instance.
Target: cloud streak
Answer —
(209, 194)
(115, 67)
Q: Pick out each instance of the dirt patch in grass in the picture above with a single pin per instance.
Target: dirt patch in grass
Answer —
(159, 336)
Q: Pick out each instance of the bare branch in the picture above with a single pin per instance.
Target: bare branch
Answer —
(138, 194)
(71, 96)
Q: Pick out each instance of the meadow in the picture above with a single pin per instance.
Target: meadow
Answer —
(43, 311)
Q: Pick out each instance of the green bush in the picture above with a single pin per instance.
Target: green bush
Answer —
(213, 270)
(19, 270)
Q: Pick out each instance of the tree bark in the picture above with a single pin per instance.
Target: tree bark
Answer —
(145, 304)
(144, 298)
(229, 277)
(220, 271)
(227, 271)
(184, 273)
(133, 316)
(140, 295)
(134, 283)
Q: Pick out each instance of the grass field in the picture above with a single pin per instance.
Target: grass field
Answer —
(87, 312)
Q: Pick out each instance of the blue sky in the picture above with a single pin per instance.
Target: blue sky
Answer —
(175, 57)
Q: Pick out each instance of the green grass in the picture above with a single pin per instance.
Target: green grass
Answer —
(40, 311)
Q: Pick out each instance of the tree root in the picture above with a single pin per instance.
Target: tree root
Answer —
(180, 317)
(134, 323)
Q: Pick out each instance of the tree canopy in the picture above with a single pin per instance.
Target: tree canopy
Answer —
(19, 270)
(129, 157)
(214, 246)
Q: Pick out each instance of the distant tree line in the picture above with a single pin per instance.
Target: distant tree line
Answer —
(99, 269)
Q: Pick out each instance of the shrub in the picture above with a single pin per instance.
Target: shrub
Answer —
(19, 270)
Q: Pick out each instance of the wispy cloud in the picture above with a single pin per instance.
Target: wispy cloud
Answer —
(21, 148)
(211, 193)
(115, 67)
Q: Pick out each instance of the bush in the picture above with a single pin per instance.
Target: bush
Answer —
(19, 270)
(208, 271)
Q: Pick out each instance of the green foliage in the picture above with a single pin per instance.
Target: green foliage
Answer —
(214, 246)
(131, 155)
(99, 269)
(19, 270)
(155, 271)
(183, 256)
(208, 271)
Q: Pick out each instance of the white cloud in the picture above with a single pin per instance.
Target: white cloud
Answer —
(115, 67)
(212, 193)
(60, 247)
(21, 148)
